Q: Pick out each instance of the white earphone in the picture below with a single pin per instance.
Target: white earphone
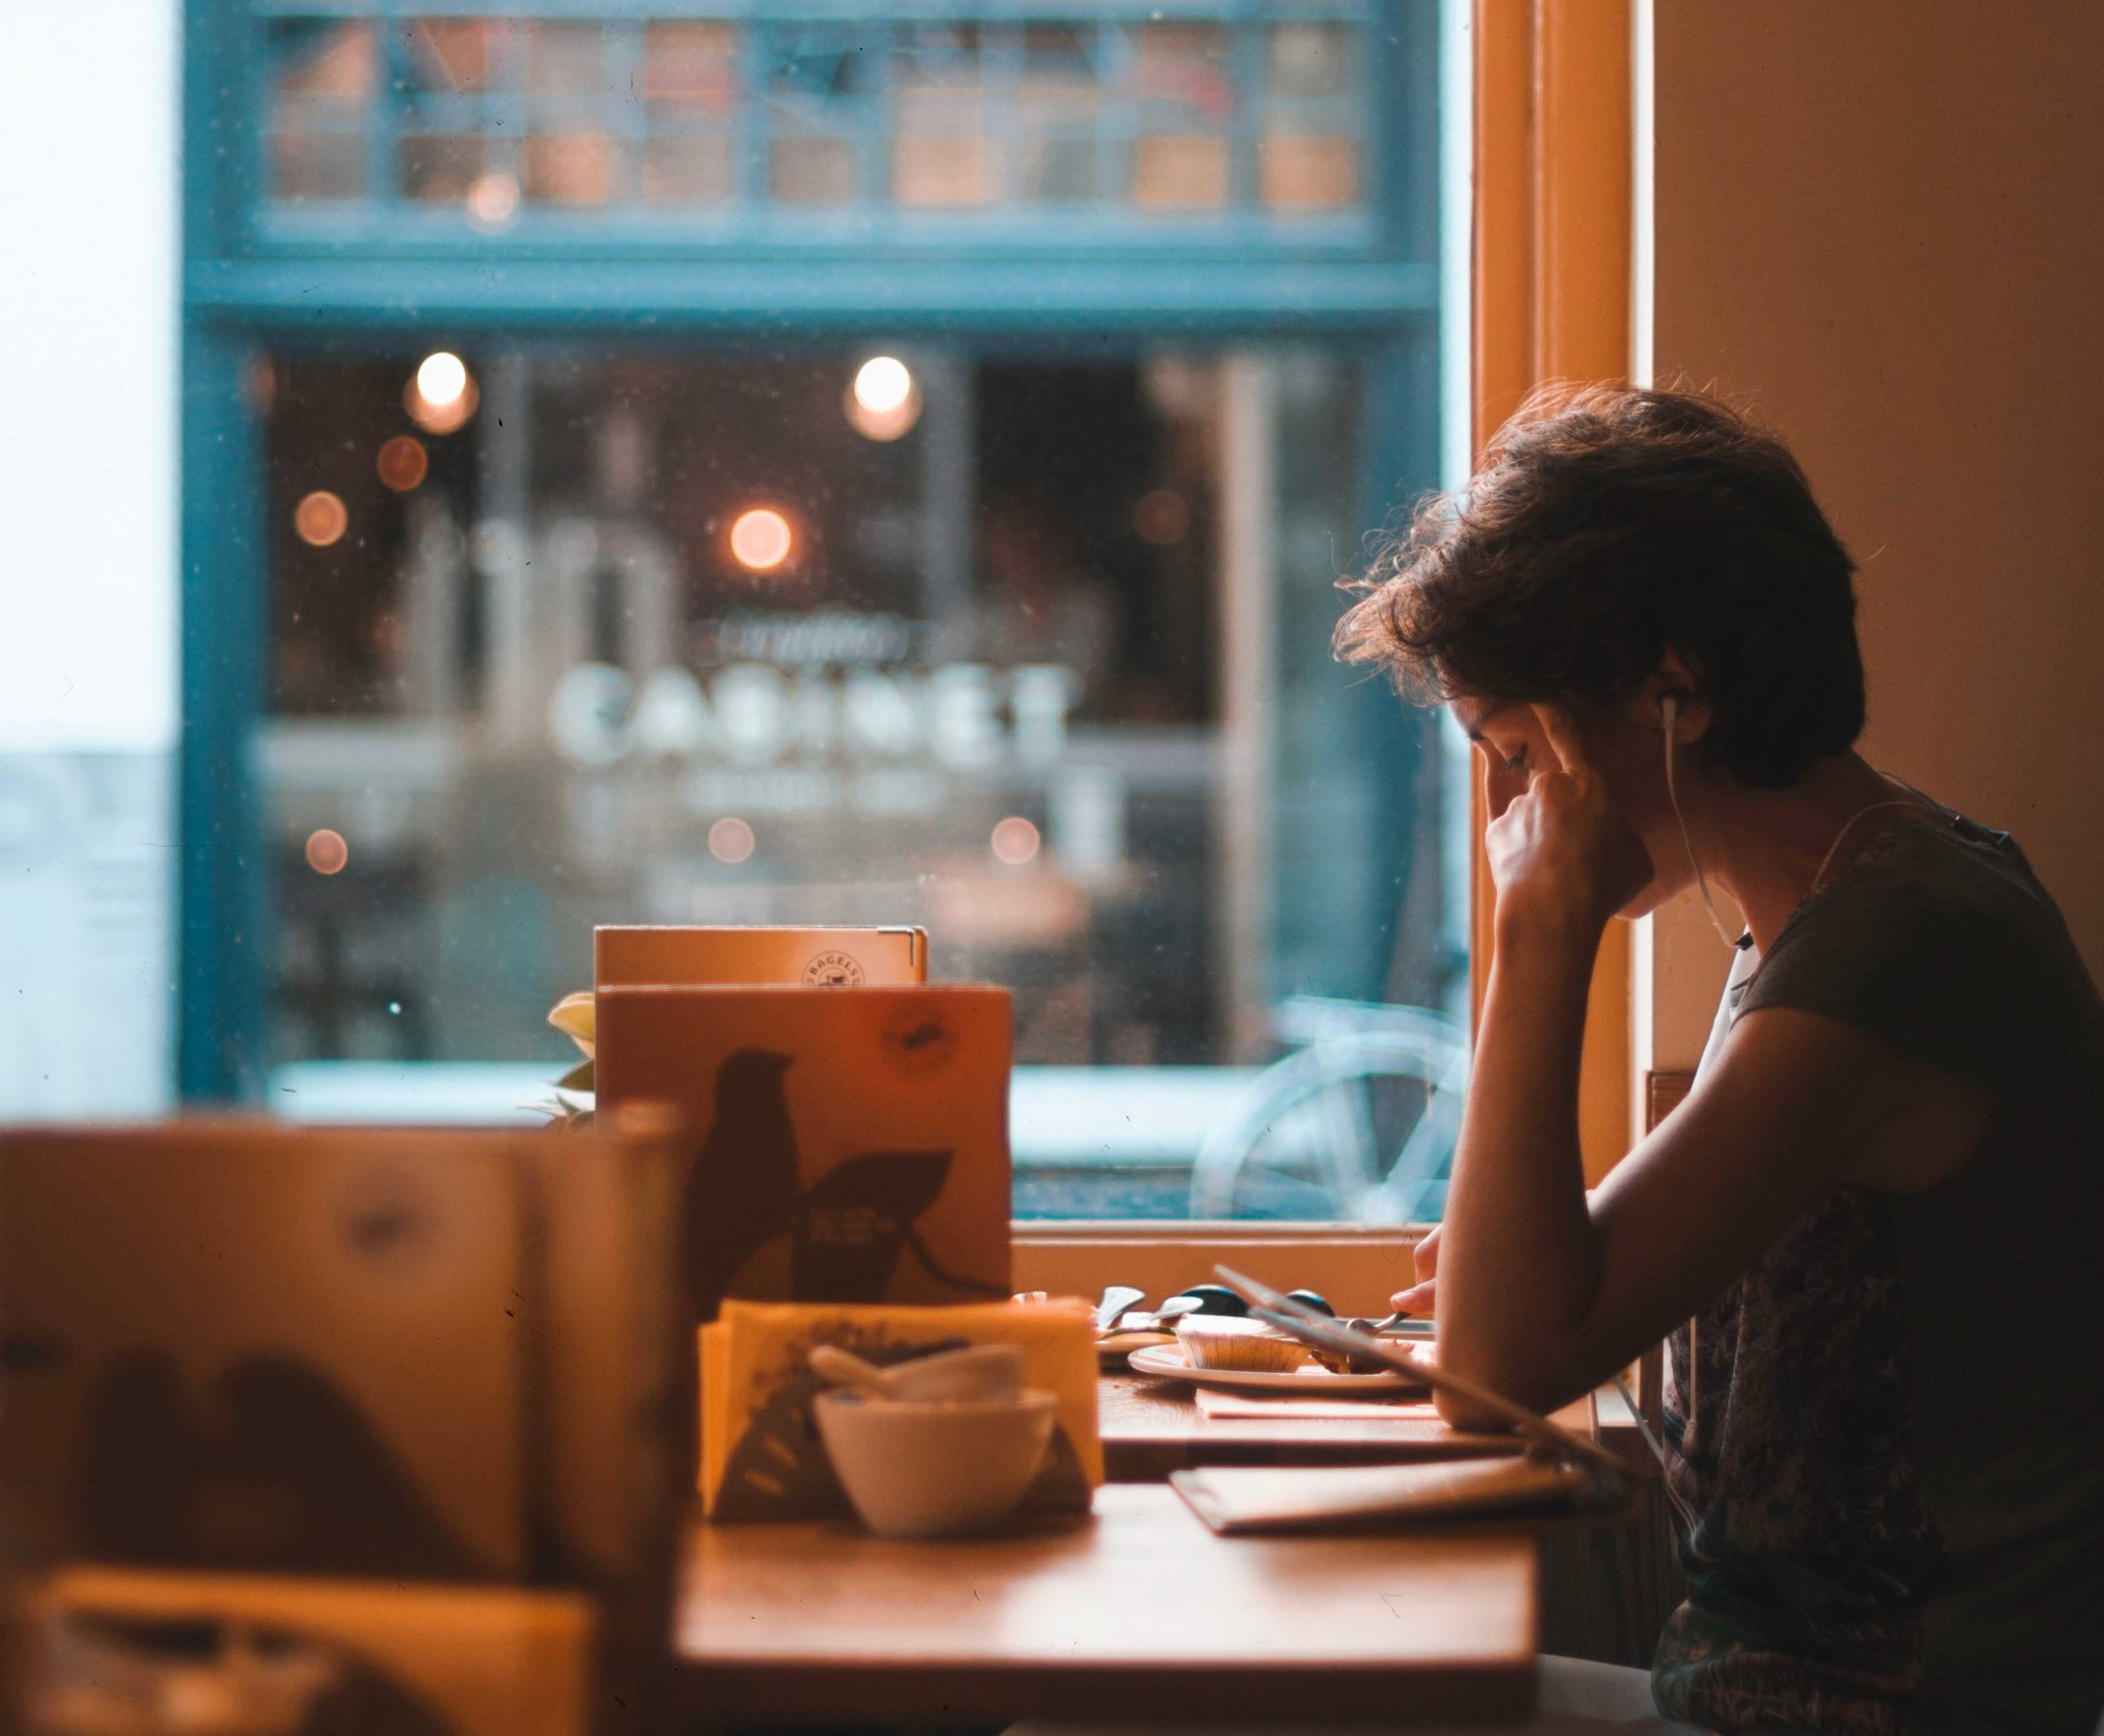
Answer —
(1669, 709)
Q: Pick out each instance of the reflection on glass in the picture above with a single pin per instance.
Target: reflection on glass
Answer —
(812, 170)
(923, 112)
(569, 168)
(1310, 156)
(323, 79)
(451, 55)
(1059, 151)
(666, 638)
(565, 59)
(691, 89)
(940, 152)
(441, 167)
(1181, 160)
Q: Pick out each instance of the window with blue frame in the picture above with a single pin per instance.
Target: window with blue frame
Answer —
(824, 462)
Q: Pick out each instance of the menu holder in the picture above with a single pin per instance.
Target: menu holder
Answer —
(849, 1146)
(821, 958)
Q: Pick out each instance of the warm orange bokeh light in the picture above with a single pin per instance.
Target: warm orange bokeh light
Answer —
(326, 852)
(403, 462)
(1015, 841)
(441, 394)
(760, 539)
(320, 518)
(731, 839)
(492, 201)
(882, 384)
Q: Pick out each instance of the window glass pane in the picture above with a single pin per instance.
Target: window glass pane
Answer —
(941, 153)
(533, 464)
(1155, 121)
(1310, 156)
(1186, 103)
(690, 84)
(322, 84)
(822, 83)
(1060, 156)
(599, 634)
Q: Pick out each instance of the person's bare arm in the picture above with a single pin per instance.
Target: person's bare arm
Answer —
(1542, 1295)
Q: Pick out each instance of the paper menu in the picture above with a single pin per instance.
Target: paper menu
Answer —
(850, 1146)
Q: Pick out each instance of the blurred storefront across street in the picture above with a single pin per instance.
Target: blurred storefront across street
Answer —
(773, 464)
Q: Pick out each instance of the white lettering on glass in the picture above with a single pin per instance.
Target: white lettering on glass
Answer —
(960, 717)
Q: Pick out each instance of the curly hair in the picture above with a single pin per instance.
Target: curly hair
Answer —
(1606, 523)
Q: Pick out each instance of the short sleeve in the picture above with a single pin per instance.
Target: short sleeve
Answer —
(1905, 959)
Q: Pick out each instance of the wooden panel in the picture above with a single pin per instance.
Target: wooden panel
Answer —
(1553, 202)
(1138, 1612)
(1664, 1093)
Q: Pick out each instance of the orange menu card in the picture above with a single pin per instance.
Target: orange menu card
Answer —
(848, 1147)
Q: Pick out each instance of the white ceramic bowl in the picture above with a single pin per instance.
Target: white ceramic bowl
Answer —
(915, 1469)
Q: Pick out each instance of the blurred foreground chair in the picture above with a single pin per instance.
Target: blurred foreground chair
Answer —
(393, 1414)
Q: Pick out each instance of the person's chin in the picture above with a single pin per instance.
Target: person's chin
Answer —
(1644, 903)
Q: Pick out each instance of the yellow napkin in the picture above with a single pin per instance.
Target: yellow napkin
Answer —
(761, 1457)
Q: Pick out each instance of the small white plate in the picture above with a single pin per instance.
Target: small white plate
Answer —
(1167, 1359)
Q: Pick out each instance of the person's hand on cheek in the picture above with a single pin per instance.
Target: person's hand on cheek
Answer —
(1562, 855)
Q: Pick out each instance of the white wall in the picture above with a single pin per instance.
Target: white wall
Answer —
(1880, 223)
(88, 553)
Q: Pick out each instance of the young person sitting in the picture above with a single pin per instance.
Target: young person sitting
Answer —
(1869, 1234)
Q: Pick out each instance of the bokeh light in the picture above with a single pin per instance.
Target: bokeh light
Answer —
(326, 852)
(883, 403)
(492, 201)
(760, 539)
(1162, 516)
(403, 462)
(441, 377)
(441, 396)
(730, 840)
(883, 383)
(1015, 841)
(320, 518)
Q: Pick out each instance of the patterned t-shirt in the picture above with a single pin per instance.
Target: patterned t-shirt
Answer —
(1892, 1486)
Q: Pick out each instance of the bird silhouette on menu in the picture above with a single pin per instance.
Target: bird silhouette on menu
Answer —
(848, 1229)
(741, 1189)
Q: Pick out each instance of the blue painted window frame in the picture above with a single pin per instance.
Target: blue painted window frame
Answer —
(251, 282)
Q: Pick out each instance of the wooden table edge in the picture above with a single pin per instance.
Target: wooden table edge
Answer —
(1400, 1693)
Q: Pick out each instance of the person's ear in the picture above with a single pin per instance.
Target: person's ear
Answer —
(1671, 698)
